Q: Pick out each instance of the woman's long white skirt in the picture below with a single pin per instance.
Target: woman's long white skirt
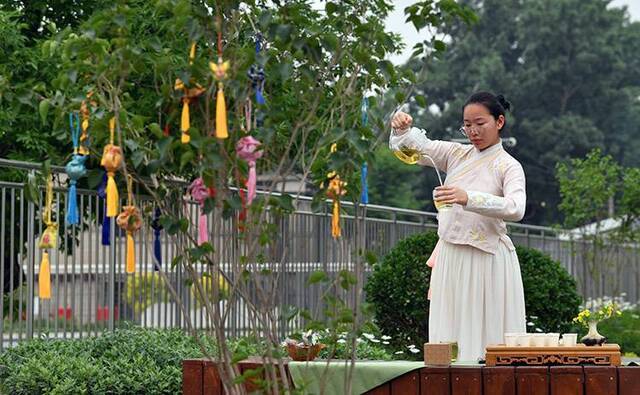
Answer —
(476, 297)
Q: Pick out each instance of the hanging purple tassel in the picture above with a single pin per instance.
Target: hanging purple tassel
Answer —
(157, 250)
(106, 221)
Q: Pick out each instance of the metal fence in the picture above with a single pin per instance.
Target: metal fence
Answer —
(91, 293)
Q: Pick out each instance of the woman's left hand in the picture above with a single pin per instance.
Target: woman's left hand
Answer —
(451, 194)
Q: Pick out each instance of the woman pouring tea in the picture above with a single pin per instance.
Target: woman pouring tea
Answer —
(476, 288)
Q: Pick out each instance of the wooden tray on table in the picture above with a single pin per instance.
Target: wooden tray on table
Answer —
(605, 355)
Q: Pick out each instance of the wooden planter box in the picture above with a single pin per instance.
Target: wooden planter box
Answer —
(200, 377)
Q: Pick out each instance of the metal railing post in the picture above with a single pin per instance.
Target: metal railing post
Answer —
(30, 260)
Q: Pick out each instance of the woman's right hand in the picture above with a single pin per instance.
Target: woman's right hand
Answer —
(401, 122)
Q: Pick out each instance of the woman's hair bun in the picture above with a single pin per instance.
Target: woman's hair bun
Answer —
(503, 102)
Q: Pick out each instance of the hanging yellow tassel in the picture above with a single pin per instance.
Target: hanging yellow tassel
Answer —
(192, 53)
(219, 71)
(221, 114)
(185, 123)
(335, 220)
(131, 256)
(44, 277)
(112, 196)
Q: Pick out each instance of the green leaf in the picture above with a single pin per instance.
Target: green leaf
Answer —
(186, 158)
(439, 45)
(317, 276)
(43, 109)
(330, 8)
(156, 130)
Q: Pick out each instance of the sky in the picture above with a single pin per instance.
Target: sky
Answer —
(396, 23)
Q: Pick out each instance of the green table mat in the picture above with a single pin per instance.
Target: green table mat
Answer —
(366, 375)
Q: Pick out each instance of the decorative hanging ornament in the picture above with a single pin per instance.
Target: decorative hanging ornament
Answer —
(364, 197)
(75, 170)
(219, 71)
(335, 190)
(199, 192)
(130, 221)
(256, 74)
(248, 149)
(48, 240)
(189, 95)
(111, 161)
(84, 113)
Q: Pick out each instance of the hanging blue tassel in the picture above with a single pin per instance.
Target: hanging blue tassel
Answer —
(259, 88)
(106, 221)
(157, 250)
(364, 111)
(72, 205)
(364, 198)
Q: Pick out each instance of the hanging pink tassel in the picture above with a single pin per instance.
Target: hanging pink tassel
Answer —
(251, 182)
(248, 149)
(203, 231)
(199, 192)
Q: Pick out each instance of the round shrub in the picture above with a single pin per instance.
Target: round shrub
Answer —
(550, 294)
(397, 290)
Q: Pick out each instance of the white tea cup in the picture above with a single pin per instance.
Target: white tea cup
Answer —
(524, 340)
(538, 340)
(511, 339)
(552, 339)
(569, 339)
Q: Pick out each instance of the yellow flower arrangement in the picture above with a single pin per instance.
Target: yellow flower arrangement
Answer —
(603, 313)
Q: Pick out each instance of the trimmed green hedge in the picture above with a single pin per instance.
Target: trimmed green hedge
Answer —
(128, 361)
(398, 287)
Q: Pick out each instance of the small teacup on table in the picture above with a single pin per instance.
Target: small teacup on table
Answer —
(511, 339)
(569, 339)
(517, 339)
(552, 339)
(538, 340)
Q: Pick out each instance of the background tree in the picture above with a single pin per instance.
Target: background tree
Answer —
(590, 189)
(569, 70)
